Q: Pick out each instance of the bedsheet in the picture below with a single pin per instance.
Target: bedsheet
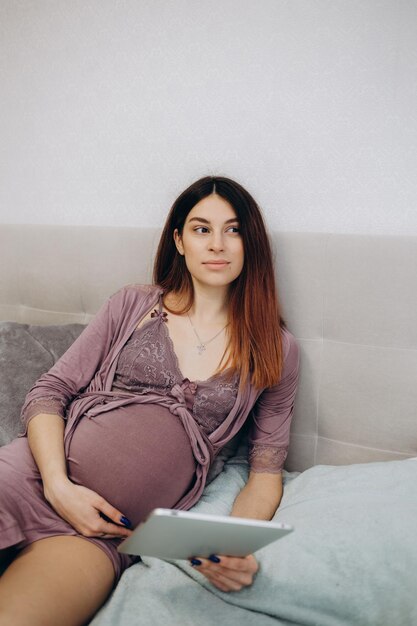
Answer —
(351, 560)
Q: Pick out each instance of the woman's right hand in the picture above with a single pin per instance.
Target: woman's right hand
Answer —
(82, 508)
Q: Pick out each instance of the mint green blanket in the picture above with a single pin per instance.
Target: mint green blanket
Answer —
(351, 560)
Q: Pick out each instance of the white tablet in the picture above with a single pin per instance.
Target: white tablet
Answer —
(174, 534)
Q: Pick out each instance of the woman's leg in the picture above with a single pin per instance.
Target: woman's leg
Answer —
(58, 580)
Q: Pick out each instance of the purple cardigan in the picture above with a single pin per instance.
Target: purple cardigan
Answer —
(80, 384)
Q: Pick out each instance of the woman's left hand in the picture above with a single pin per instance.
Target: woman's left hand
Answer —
(231, 573)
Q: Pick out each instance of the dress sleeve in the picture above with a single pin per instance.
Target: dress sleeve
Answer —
(269, 430)
(75, 369)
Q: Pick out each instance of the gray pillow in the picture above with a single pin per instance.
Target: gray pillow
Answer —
(26, 352)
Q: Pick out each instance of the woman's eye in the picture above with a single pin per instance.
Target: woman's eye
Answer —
(204, 229)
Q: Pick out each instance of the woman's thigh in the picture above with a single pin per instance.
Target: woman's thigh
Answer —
(58, 580)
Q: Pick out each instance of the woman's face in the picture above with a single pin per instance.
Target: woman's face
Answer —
(211, 242)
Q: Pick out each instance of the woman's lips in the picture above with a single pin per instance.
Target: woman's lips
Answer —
(216, 265)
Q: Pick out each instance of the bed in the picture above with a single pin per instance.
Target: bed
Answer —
(350, 480)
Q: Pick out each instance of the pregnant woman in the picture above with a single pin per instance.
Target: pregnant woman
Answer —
(132, 416)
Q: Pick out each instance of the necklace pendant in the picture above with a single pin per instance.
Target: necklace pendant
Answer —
(201, 348)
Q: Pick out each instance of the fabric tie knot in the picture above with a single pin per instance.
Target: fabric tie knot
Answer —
(201, 449)
(188, 386)
(162, 314)
(177, 391)
(180, 393)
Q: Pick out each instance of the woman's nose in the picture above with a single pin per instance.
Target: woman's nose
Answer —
(216, 242)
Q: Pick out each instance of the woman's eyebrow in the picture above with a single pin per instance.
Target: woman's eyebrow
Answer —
(203, 219)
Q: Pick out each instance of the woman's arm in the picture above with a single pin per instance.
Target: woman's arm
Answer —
(79, 506)
(43, 413)
(260, 497)
(74, 370)
(46, 441)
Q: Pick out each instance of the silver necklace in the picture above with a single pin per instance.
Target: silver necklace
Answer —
(202, 345)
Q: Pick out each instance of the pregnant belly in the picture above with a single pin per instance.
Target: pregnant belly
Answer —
(137, 457)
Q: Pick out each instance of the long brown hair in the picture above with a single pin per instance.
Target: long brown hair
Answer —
(254, 313)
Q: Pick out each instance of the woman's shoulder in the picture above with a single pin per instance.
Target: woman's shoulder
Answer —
(135, 291)
(131, 296)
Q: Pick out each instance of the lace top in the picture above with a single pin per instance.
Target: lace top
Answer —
(148, 363)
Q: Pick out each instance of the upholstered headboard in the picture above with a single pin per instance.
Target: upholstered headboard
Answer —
(350, 300)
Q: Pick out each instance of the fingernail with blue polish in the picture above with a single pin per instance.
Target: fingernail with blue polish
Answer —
(195, 562)
(125, 521)
(214, 558)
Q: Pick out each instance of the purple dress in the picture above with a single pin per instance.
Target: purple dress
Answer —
(137, 456)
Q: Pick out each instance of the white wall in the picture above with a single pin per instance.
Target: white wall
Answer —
(109, 109)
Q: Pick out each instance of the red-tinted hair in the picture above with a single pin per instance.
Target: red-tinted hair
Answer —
(254, 314)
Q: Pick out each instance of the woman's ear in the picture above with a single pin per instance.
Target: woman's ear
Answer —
(178, 242)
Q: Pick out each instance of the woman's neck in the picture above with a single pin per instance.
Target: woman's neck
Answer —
(209, 307)
(208, 310)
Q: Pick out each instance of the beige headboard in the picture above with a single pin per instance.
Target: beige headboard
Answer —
(351, 300)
